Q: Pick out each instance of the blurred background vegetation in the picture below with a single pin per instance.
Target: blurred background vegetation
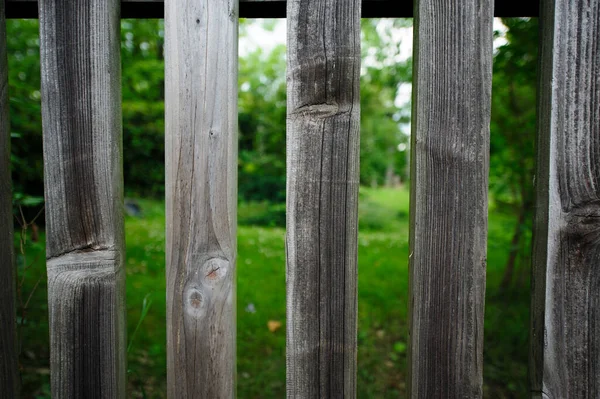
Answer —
(383, 238)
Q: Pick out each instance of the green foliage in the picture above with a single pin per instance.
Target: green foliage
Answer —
(261, 105)
(261, 119)
(266, 214)
(377, 214)
(381, 118)
(143, 106)
(262, 110)
(25, 110)
(512, 155)
(383, 248)
(513, 134)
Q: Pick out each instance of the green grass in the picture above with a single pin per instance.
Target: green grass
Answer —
(383, 293)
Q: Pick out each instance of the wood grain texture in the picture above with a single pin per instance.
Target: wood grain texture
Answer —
(83, 173)
(565, 351)
(323, 114)
(9, 375)
(449, 183)
(201, 188)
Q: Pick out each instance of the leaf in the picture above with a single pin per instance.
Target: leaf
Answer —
(273, 325)
(400, 347)
(29, 200)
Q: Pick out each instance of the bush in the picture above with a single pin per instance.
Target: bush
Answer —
(375, 217)
(261, 214)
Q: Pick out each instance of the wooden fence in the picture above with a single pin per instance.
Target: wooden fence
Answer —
(81, 91)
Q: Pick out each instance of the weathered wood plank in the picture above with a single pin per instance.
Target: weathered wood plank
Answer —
(201, 188)
(81, 110)
(9, 376)
(448, 227)
(323, 113)
(565, 351)
(277, 8)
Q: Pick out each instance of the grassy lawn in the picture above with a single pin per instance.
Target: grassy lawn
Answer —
(383, 293)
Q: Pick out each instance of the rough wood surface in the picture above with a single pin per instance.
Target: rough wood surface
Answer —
(201, 188)
(448, 227)
(81, 110)
(277, 8)
(565, 352)
(9, 376)
(323, 113)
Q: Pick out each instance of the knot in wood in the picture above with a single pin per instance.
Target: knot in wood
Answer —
(317, 111)
(583, 226)
(195, 302)
(214, 271)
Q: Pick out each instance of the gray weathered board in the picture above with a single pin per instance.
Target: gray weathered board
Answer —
(565, 351)
(449, 183)
(9, 377)
(323, 114)
(277, 8)
(81, 114)
(201, 196)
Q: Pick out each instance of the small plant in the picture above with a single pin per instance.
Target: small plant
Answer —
(24, 265)
(146, 303)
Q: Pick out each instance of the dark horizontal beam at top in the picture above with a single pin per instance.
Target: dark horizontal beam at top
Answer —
(276, 8)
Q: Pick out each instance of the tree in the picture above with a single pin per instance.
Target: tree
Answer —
(512, 147)
(143, 106)
(381, 117)
(261, 116)
(262, 102)
(23, 48)
(262, 109)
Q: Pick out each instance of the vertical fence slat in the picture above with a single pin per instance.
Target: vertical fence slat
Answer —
(81, 110)
(201, 188)
(448, 228)
(9, 377)
(565, 351)
(323, 112)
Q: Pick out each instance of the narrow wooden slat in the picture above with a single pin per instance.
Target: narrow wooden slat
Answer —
(323, 114)
(277, 8)
(448, 228)
(565, 351)
(81, 110)
(201, 188)
(9, 376)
